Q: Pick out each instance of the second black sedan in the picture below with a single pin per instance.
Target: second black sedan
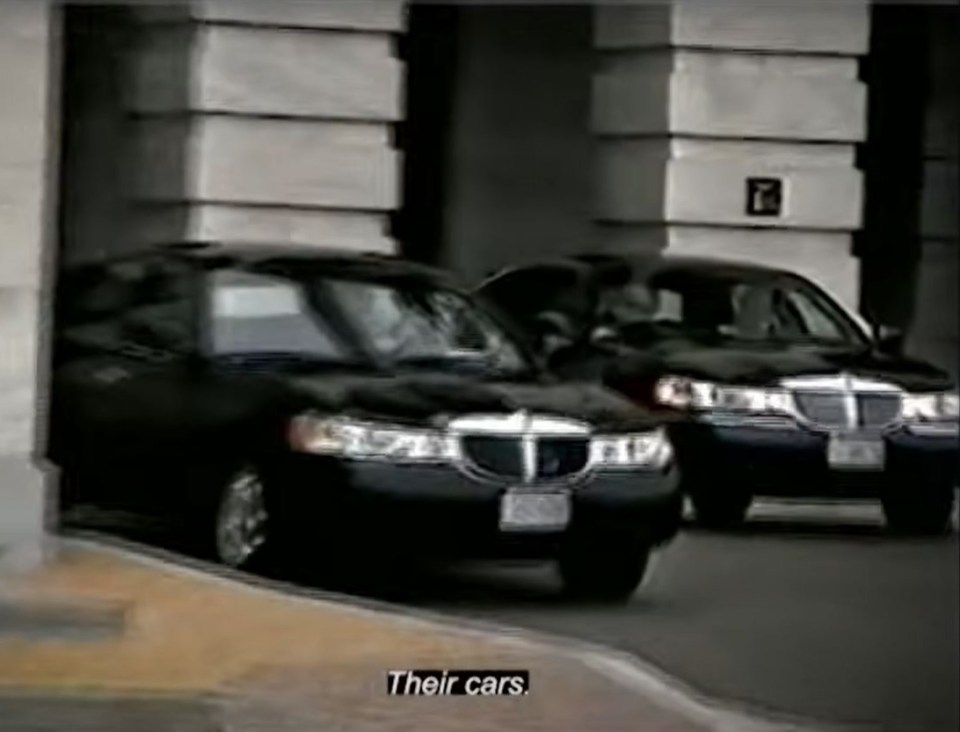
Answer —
(779, 391)
(344, 406)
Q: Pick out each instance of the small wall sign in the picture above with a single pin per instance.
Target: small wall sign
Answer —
(764, 196)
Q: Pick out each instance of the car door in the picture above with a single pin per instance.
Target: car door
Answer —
(546, 292)
(125, 388)
(90, 302)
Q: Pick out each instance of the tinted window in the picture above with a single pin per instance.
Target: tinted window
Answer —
(123, 306)
(747, 308)
(814, 318)
(255, 313)
(90, 293)
(396, 322)
(525, 293)
(404, 322)
(161, 311)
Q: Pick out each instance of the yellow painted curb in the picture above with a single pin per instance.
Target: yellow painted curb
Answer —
(188, 634)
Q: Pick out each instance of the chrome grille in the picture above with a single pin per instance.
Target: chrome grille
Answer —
(878, 410)
(523, 448)
(845, 401)
(501, 456)
(828, 410)
(561, 457)
(556, 458)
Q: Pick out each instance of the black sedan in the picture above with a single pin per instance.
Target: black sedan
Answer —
(778, 390)
(340, 405)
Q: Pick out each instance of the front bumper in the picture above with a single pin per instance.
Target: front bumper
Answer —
(784, 459)
(438, 510)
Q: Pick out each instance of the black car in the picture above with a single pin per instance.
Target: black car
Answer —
(344, 404)
(776, 389)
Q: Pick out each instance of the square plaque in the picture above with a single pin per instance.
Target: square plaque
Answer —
(764, 196)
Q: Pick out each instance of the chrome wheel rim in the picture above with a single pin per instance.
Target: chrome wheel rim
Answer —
(241, 520)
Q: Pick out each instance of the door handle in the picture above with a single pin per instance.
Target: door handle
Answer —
(111, 375)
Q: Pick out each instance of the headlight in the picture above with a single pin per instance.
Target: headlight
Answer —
(950, 406)
(647, 449)
(682, 393)
(929, 406)
(368, 440)
(675, 391)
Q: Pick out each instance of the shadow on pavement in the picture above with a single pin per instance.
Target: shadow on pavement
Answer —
(853, 532)
(480, 585)
(39, 713)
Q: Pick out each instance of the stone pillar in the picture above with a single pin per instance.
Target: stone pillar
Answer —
(520, 153)
(934, 334)
(27, 79)
(267, 121)
(700, 106)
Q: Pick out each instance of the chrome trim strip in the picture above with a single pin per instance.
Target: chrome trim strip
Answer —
(933, 429)
(850, 408)
(771, 422)
(518, 424)
(815, 383)
(840, 382)
(528, 447)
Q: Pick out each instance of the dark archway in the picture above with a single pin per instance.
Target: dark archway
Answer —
(429, 49)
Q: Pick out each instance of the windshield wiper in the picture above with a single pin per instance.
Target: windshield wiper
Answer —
(295, 360)
(483, 363)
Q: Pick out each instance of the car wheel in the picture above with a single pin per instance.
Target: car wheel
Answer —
(241, 526)
(599, 569)
(720, 510)
(924, 512)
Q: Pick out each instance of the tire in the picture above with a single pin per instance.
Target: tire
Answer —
(720, 510)
(923, 512)
(599, 569)
(233, 525)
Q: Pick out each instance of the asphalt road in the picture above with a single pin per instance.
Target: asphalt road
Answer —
(811, 612)
(38, 713)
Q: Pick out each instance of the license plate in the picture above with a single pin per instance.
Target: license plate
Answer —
(534, 511)
(855, 453)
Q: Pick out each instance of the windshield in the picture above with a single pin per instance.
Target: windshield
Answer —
(396, 324)
(776, 309)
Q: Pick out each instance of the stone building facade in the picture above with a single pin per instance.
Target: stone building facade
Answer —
(820, 136)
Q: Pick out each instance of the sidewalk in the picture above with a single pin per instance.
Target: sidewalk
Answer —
(174, 649)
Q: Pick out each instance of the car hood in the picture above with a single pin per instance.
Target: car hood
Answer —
(431, 399)
(766, 363)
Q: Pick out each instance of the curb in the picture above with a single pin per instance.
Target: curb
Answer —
(97, 711)
(29, 617)
(623, 668)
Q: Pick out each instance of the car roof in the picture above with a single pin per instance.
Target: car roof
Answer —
(656, 263)
(662, 262)
(274, 257)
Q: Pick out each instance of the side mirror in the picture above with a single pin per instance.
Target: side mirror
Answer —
(167, 343)
(604, 334)
(553, 332)
(889, 341)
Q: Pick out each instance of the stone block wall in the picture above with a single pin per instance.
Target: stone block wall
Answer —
(266, 122)
(693, 98)
(27, 83)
